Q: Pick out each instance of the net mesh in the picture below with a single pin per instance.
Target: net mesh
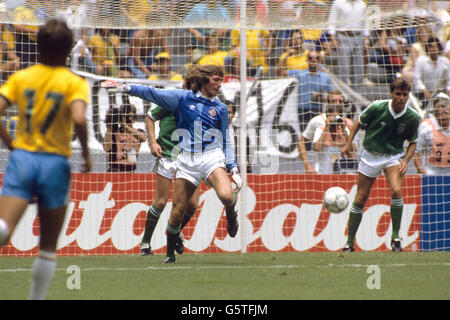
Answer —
(357, 48)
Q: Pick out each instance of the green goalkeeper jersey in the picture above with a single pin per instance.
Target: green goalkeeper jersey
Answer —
(386, 131)
(167, 124)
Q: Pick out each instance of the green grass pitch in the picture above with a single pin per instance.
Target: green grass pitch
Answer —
(236, 276)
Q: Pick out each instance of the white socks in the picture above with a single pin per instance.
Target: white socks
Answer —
(4, 230)
(43, 270)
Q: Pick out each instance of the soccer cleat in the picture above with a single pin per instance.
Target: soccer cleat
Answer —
(168, 260)
(146, 250)
(232, 223)
(179, 246)
(396, 245)
(348, 248)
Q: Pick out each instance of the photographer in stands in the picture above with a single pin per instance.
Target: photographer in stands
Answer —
(122, 142)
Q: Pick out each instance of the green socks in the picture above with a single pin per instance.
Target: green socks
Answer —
(356, 216)
(353, 223)
(172, 237)
(396, 216)
(153, 214)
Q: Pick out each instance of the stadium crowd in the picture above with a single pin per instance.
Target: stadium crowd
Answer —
(365, 58)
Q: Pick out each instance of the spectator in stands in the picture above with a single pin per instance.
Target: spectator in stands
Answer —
(144, 45)
(205, 11)
(294, 57)
(329, 139)
(162, 63)
(349, 38)
(122, 142)
(432, 72)
(233, 67)
(432, 153)
(389, 50)
(214, 55)
(136, 12)
(26, 34)
(104, 46)
(416, 50)
(77, 14)
(9, 61)
(256, 12)
(313, 88)
(335, 107)
(259, 46)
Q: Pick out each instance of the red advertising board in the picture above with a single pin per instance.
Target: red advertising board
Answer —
(280, 212)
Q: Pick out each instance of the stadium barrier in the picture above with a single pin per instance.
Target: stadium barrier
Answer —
(109, 217)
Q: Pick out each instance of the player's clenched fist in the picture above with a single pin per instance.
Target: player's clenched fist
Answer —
(115, 86)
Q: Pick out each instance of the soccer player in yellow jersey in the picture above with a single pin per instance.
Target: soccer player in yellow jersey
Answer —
(50, 101)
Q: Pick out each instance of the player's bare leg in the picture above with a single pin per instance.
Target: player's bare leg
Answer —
(395, 181)
(11, 210)
(222, 185)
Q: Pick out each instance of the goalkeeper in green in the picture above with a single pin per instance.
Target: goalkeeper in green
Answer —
(388, 124)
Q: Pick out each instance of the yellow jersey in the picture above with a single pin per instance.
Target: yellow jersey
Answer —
(25, 15)
(173, 77)
(43, 96)
(296, 61)
(254, 45)
(217, 59)
(103, 49)
(140, 10)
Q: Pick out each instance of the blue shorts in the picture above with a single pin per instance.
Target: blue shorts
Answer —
(45, 176)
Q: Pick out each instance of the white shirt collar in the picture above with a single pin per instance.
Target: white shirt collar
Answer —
(396, 115)
(199, 94)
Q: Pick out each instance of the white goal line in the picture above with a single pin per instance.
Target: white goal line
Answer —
(330, 265)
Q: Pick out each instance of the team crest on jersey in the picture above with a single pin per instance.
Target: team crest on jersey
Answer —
(401, 129)
(192, 107)
(212, 113)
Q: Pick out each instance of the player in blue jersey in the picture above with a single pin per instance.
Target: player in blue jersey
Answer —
(204, 141)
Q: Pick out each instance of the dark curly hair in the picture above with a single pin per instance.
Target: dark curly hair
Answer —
(54, 41)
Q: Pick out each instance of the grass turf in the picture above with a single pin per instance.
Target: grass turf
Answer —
(235, 276)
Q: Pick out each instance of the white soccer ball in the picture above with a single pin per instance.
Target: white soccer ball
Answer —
(335, 199)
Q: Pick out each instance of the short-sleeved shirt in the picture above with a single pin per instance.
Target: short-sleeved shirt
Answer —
(387, 131)
(43, 96)
(167, 125)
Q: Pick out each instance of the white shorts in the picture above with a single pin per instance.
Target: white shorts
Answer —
(165, 167)
(372, 164)
(196, 167)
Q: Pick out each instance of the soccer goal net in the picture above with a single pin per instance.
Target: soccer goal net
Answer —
(289, 65)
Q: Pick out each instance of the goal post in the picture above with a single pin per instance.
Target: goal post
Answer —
(283, 60)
